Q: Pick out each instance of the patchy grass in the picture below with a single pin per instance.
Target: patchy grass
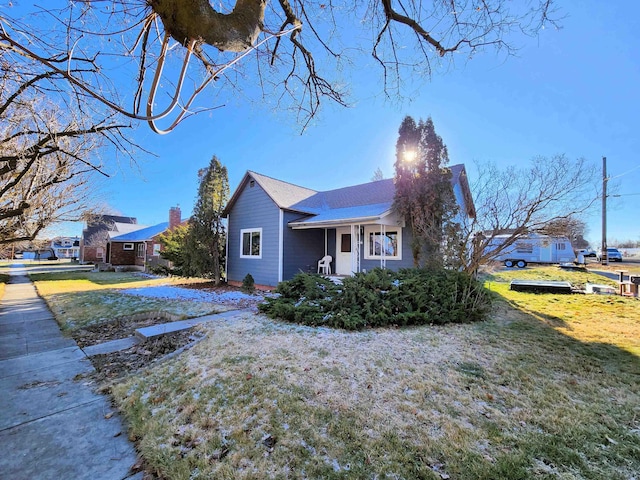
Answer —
(520, 396)
(82, 309)
(81, 299)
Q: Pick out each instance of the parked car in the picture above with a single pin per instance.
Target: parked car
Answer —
(587, 252)
(613, 255)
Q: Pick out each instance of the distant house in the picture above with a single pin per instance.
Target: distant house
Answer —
(93, 243)
(66, 247)
(276, 229)
(140, 247)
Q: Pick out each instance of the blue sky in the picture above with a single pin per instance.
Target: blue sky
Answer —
(573, 91)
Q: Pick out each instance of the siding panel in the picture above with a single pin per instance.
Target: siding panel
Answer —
(302, 248)
(254, 209)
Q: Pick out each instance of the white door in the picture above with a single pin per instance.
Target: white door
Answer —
(343, 251)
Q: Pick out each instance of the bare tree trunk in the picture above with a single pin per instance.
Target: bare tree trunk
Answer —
(187, 20)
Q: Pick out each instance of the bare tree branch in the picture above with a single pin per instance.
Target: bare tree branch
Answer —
(409, 37)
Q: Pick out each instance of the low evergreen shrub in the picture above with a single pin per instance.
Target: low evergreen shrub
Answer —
(380, 298)
(248, 284)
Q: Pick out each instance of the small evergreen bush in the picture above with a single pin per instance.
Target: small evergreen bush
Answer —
(380, 298)
(248, 284)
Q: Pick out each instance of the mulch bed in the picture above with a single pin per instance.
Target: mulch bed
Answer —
(111, 366)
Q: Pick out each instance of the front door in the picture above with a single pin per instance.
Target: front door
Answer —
(343, 251)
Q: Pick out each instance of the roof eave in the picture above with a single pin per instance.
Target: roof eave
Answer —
(335, 223)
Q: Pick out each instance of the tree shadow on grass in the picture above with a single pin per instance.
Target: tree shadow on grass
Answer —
(612, 356)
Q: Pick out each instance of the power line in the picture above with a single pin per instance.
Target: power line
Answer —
(625, 173)
(624, 194)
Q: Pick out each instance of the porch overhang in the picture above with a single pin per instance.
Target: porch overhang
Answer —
(380, 213)
(299, 225)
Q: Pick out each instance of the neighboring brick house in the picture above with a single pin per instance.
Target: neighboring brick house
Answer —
(93, 243)
(140, 248)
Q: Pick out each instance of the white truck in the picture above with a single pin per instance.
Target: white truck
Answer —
(534, 248)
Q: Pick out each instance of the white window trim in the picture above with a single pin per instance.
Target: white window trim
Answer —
(127, 246)
(251, 230)
(157, 248)
(369, 229)
(140, 251)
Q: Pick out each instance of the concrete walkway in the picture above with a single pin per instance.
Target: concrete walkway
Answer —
(52, 424)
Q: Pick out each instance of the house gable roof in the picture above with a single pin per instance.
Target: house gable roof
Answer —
(142, 234)
(283, 194)
(364, 202)
(378, 192)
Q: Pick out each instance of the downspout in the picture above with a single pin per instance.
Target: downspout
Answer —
(226, 253)
(281, 246)
(144, 257)
(383, 251)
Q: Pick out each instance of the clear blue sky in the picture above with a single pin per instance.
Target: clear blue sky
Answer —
(574, 91)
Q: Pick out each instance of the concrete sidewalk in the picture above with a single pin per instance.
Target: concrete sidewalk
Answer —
(52, 424)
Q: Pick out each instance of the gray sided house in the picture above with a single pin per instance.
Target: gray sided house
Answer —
(276, 229)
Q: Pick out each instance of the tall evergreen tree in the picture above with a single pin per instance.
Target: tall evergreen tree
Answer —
(424, 195)
(206, 238)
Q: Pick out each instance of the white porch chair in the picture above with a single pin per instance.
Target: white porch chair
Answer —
(324, 265)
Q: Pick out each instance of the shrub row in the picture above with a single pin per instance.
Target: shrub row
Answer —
(380, 298)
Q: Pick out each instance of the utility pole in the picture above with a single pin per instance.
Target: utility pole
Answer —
(603, 249)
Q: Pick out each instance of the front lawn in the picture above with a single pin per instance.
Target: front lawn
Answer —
(547, 388)
(82, 299)
(606, 319)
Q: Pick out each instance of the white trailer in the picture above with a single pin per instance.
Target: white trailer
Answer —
(534, 248)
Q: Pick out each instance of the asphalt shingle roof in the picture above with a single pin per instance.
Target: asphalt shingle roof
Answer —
(284, 194)
(356, 202)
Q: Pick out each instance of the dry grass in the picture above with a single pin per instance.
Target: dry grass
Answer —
(73, 282)
(80, 299)
(520, 396)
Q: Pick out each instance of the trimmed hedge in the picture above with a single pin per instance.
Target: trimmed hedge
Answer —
(380, 298)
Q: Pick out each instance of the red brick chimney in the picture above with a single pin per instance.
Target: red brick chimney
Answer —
(175, 217)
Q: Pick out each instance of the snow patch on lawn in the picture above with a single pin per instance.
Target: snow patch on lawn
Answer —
(179, 293)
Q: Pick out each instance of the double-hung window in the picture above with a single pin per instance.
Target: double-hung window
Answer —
(251, 243)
